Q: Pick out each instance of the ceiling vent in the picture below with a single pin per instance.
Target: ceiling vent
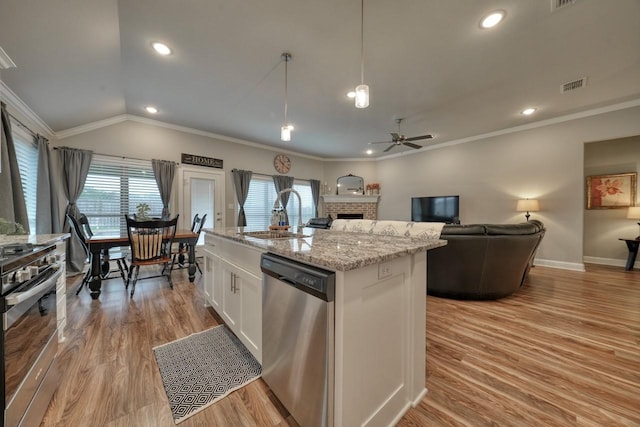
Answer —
(560, 4)
(573, 85)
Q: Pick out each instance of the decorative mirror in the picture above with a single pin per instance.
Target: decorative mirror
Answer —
(350, 184)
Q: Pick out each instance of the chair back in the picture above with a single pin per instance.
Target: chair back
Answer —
(194, 223)
(151, 240)
(79, 232)
(84, 223)
(200, 224)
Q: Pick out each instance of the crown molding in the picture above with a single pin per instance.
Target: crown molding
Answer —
(91, 126)
(157, 123)
(14, 102)
(555, 120)
(5, 61)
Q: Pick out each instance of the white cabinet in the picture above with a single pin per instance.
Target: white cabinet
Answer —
(61, 291)
(233, 287)
(212, 275)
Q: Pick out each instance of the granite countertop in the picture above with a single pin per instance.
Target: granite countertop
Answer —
(35, 239)
(335, 250)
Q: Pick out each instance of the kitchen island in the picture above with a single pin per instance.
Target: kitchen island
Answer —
(380, 310)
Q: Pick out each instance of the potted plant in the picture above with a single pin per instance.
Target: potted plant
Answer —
(10, 227)
(142, 211)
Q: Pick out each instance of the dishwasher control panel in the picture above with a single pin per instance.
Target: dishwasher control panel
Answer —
(310, 279)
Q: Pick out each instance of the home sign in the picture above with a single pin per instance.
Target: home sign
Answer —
(192, 159)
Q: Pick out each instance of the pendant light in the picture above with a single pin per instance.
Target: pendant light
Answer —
(362, 90)
(285, 130)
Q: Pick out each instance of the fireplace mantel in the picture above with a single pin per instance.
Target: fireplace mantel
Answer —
(351, 198)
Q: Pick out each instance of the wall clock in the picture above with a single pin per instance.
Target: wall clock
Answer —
(282, 163)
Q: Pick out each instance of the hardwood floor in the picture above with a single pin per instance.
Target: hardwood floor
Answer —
(564, 350)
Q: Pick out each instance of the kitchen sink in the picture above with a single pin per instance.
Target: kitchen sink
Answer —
(274, 234)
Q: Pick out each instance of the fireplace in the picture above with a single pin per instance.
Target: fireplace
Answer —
(365, 207)
(350, 216)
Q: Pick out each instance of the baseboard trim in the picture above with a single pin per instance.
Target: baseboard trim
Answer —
(605, 261)
(575, 266)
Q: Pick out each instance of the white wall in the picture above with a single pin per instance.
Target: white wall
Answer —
(145, 141)
(603, 227)
(491, 174)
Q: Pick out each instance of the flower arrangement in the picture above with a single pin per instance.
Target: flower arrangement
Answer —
(10, 227)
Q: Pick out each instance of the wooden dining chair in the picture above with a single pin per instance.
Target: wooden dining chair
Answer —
(116, 254)
(183, 248)
(78, 229)
(150, 243)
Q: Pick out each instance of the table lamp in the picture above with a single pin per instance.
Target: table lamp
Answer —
(528, 205)
(634, 213)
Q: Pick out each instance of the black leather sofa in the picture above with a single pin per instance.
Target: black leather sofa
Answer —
(482, 261)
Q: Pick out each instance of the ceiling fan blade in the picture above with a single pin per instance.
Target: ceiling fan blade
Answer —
(416, 138)
(412, 145)
(382, 142)
(389, 148)
(395, 136)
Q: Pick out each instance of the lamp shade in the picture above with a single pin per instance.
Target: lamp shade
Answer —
(633, 212)
(528, 205)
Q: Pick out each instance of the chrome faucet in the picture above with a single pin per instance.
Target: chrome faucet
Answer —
(276, 205)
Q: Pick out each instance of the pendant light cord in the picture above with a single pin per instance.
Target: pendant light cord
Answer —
(286, 57)
(362, 42)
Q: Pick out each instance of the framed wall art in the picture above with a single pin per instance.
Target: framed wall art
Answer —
(611, 191)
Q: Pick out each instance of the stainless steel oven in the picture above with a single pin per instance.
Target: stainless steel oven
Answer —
(29, 334)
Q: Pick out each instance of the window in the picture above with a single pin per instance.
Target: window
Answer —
(262, 196)
(114, 187)
(27, 155)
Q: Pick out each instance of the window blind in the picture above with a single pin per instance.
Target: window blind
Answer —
(262, 196)
(27, 155)
(114, 187)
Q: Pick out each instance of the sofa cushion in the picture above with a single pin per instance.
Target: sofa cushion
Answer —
(511, 229)
(352, 225)
(418, 230)
(465, 230)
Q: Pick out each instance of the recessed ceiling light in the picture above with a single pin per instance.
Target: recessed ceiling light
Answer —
(528, 111)
(150, 109)
(492, 19)
(351, 94)
(369, 151)
(161, 48)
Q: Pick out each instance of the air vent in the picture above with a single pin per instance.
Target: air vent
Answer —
(573, 85)
(559, 4)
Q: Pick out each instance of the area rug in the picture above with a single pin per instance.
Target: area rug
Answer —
(199, 370)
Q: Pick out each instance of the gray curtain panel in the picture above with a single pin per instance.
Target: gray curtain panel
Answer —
(282, 182)
(74, 165)
(241, 181)
(164, 171)
(12, 205)
(47, 213)
(315, 193)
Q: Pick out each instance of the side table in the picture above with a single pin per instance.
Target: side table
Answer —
(632, 245)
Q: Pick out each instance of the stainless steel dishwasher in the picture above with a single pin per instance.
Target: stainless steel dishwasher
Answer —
(298, 338)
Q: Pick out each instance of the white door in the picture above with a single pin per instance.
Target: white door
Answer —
(202, 193)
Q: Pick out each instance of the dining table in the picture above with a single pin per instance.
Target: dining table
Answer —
(102, 244)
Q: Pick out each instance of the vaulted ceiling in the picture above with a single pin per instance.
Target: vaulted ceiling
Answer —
(427, 61)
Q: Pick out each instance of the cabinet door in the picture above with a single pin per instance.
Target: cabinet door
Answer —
(216, 283)
(230, 296)
(211, 261)
(250, 288)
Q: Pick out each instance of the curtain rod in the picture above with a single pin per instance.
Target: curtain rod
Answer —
(113, 155)
(22, 125)
(271, 176)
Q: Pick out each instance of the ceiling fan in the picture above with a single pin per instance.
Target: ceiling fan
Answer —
(399, 139)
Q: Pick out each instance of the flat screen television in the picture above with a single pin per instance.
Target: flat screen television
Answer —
(436, 209)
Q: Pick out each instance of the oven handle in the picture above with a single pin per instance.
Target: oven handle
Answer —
(18, 297)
